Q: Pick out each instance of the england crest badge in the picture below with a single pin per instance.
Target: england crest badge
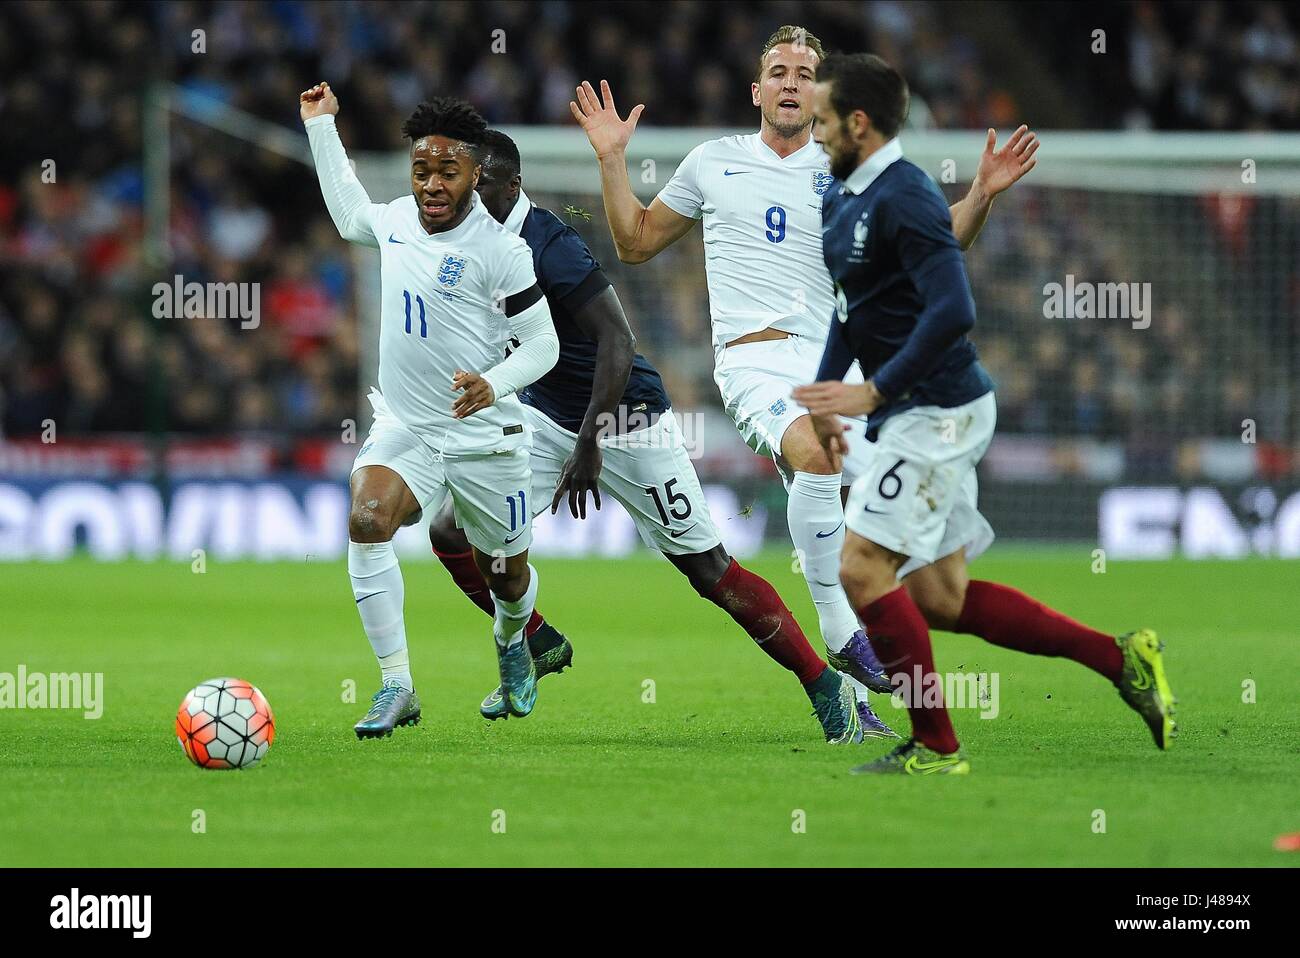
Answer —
(450, 270)
(821, 181)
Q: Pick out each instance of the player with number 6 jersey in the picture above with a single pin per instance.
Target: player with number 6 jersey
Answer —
(456, 287)
(905, 309)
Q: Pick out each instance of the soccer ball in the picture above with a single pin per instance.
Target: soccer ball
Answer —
(225, 723)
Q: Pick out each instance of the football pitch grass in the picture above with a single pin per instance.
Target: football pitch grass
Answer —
(725, 766)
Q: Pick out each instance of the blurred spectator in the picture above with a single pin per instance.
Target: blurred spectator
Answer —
(80, 343)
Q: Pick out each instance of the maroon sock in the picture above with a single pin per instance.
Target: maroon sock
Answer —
(898, 633)
(757, 609)
(1007, 617)
(464, 572)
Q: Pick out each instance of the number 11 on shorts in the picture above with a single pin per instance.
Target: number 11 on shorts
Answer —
(518, 510)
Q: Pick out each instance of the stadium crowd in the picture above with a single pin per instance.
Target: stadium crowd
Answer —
(79, 343)
(1187, 65)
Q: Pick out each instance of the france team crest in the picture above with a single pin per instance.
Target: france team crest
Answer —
(450, 270)
(821, 181)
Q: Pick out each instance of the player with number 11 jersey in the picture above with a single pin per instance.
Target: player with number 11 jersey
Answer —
(456, 288)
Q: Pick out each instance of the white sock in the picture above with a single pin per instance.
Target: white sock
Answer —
(512, 617)
(377, 586)
(396, 668)
(814, 507)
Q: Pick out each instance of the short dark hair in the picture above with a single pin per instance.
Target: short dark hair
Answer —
(500, 149)
(863, 81)
(446, 116)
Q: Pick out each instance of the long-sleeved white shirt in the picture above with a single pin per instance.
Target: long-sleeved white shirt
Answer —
(441, 307)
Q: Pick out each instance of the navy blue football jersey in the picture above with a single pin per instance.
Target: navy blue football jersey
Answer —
(903, 301)
(569, 276)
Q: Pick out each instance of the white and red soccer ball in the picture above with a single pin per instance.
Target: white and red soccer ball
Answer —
(225, 723)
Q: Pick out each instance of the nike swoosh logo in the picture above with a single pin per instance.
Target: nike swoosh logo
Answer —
(370, 596)
(734, 172)
(515, 536)
(1143, 679)
(392, 238)
(879, 512)
(913, 764)
(678, 535)
(827, 535)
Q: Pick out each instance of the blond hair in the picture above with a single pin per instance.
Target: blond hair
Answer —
(798, 36)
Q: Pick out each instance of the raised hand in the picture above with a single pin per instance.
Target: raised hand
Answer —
(600, 120)
(317, 101)
(998, 169)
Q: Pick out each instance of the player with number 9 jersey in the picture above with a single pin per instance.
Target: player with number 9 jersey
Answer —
(771, 300)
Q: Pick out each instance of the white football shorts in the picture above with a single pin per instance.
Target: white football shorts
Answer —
(919, 496)
(756, 380)
(491, 492)
(648, 470)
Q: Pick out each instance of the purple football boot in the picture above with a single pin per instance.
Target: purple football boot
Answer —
(858, 659)
(872, 726)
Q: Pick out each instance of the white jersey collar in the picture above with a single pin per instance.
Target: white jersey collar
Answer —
(515, 221)
(874, 165)
(766, 152)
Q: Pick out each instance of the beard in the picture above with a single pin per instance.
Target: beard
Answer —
(842, 164)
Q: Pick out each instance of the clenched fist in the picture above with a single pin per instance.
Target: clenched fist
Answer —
(318, 101)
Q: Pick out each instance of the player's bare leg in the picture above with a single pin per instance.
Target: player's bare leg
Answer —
(381, 502)
(1004, 616)
(551, 649)
(513, 584)
(901, 638)
(815, 513)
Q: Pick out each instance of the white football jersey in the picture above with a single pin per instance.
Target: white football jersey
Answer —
(441, 297)
(762, 234)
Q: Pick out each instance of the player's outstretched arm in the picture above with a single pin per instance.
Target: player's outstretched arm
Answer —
(997, 170)
(603, 321)
(345, 198)
(639, 232)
